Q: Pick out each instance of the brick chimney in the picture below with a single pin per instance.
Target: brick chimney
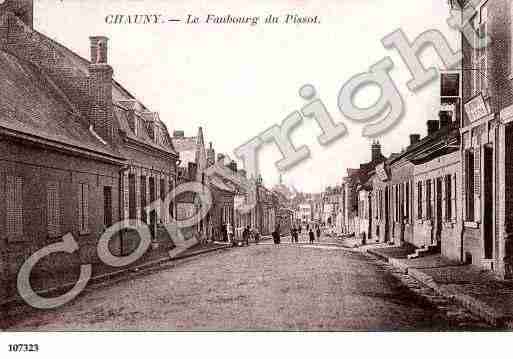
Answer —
(376, 151)
(23, 9)
(211, 155)
(414, 138)
(432, 126)
(233, 166)
(100, 88)
(445, 118)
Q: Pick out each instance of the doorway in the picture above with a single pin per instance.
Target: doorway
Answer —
(488, 202)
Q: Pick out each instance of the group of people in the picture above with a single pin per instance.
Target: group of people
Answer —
(247, 233)
(296, 231)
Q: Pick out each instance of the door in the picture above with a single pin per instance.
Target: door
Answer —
(488, 214)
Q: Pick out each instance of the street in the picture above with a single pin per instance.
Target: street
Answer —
(262, 287)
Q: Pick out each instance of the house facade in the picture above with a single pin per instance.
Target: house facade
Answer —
(79, 152)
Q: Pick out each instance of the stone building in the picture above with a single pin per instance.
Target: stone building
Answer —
(79, 152)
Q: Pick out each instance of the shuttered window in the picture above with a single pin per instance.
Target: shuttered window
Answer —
(419, 200)
(477, 184)
(132, 205)
(53, 209)
(408, 202)
(448, 198)
(429, 207)
(144, 216)
(14, 198)
(83, 208)
(469, 186)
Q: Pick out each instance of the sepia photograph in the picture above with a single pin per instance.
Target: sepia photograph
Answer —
(267, 167)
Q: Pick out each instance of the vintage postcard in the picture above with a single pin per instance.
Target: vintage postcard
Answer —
(255, 166)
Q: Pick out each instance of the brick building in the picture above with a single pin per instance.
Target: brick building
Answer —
(79, 152)
(487, 139)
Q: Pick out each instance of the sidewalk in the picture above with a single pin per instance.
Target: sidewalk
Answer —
(479, 291)
(56, 283)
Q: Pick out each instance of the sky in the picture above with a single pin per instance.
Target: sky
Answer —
(238, 80)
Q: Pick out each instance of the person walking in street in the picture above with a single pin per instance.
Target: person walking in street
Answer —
(318, 233)
(296, 236)
(245, 235)
(256, 235)
(292, 229)
(311, 235)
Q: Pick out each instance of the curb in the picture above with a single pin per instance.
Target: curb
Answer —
(474, 306)
(378, 255)
(102, 278)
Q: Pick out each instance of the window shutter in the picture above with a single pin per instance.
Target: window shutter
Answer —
(85, 190)
(126, 196)
(14, 196)
(424, 199)
(477, 184)
(453, 198)
(53, 215)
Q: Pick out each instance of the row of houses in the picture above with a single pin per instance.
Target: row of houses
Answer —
(79, 153)
(451, 191)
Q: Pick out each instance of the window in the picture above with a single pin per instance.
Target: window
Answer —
(419, 200)
(144, 216)
(469, 185)
(407, 202)
(53, 209)
(162, 189)
(132, 206)
(83, 208)
(448, 198)
(429, 206)
(107, 206)
(153, 196)
(14, 198)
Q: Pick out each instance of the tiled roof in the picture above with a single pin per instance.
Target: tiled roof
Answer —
(32, 105)
(119, 96)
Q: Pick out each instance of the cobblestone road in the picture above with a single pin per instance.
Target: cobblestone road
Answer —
(261, 287)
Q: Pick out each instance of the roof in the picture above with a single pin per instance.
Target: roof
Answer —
(31, 104)
(120, 97)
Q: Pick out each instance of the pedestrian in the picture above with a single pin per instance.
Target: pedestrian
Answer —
(318, 233)
(256, 235)
(292, 234)
(300, 227)
(295, 235)
(311, 236)
(245, 236)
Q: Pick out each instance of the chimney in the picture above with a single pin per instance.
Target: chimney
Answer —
(211, 155)
(99, 49)
(179, 134)
(376, 151)
(445, 118)
(100, 89)
(233, 166)
(432, 126)
(414, 138)
(23, 9)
